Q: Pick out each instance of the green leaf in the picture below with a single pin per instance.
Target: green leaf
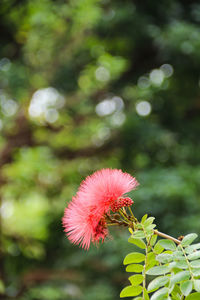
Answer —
(144, 218)
(164, 257)
(149, 221)
(145, 294)
(186, 287)
(131, 230)
(196, 272)
(181, 264)
(159, 270)
(178, 255)
(157, 282)
(188, 239)
(131, 291)
(159, 295)
(150, 228)
(176, 293)
(139, 234)
(135, 268)
(138, 242)
(151, 261)
(158, 248)
(134, 257)
(194, 255)
(193, 296)
(197, 285)
(195, 263)
(191, 248)
(180, 276)
(168, 244)
(136, 279)
(153, 240)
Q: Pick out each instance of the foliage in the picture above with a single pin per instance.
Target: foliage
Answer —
(176, 268)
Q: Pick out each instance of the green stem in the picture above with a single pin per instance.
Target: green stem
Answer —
(123, 215)
(189, 267)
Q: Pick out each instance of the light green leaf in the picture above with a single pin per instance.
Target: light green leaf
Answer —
(181, 264)
(135, 268)
(180, 276)
(194, 255)
(197, 285)
(131, 230)
(134, 257)
(136, 279)
(164, 257)
(131, 291)
(186, 287)
(158, 248)
(188, 239)
(149, 221)
(144, 218)
(150, 228)
(193, 296)
(178, 255)
(145, 294)
(195, 263)
(157, 282)
(139, 234)
(138, 298)
(153, 240)
(176, 293)
(159, 295)
(151, 260)
(159, 270)
(168, 244)
(191, 248)
(138, 242)
(196, 272)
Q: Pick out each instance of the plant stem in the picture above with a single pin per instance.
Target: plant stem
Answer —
(166, 236)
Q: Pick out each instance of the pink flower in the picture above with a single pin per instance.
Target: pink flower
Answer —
(84, 219)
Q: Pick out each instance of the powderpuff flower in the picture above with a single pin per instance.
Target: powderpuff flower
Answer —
(84, 219)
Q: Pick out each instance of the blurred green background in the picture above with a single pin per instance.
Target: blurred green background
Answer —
(85, 85)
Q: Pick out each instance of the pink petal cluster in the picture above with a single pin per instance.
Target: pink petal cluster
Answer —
(84, 218)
